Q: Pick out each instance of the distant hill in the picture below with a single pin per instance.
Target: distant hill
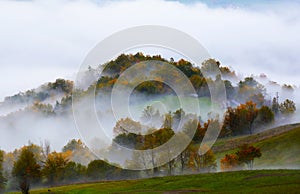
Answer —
(238, 89)
(30, 112)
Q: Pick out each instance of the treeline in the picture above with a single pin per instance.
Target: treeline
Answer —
(33, 169)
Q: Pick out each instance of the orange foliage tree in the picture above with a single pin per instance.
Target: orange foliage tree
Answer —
(229, 162)
(247, 153)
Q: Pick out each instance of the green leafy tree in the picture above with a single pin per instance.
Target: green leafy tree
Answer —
(26, 170)
(265, 116)
(74, 172)
(129, 140)
(99, 170)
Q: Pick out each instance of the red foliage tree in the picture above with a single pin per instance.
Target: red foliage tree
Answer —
(247, 153)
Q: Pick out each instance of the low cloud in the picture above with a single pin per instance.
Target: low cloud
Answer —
(39, 37)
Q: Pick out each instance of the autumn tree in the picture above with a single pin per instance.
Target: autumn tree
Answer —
(126, 126)
(230, 162)
(163, 135)
(249, 89)
(183, 158)
(26, 170)
(247, 153)
(240, 120)
(287, 107)
(202, 162)
(199, 84)
(55, 166)
(80, 152)
(2, 179)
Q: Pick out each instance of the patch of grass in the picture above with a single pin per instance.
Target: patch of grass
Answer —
(256, 181)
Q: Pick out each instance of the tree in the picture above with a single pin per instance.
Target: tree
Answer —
(150, 116)
(129, 140)
(26, 170)
(275, 106)
(74, 172)
(202, 162)
(287, 107)
(250, 89)
(2, 179)
(240, 120)
(164, 135)
(183, 157)
(247, 153)
(178, 116)
(264, 116)
(127, 125)
(99, 170)
(46, 149)
(80, 152)
(168, 121)
(211, 67)
(229, 162)
(55, 166)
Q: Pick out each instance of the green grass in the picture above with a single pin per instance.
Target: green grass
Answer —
(256, 181)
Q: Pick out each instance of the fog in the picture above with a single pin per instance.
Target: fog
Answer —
(41, 41)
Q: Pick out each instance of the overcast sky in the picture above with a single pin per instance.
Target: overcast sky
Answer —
(44, 40)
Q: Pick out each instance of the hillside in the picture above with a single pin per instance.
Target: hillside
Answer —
(279, 147)
(257, 181)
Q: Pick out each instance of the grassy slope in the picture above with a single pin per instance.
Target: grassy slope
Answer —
(257, 181)
(280, 147)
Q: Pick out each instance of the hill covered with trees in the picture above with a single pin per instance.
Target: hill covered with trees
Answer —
(251, 107)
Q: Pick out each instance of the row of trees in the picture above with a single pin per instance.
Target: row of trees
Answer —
(244, 155)
(245, 118)
(58, 168)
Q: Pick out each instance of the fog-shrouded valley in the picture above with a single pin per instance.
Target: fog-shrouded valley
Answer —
(45, 113)
(145, 122)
